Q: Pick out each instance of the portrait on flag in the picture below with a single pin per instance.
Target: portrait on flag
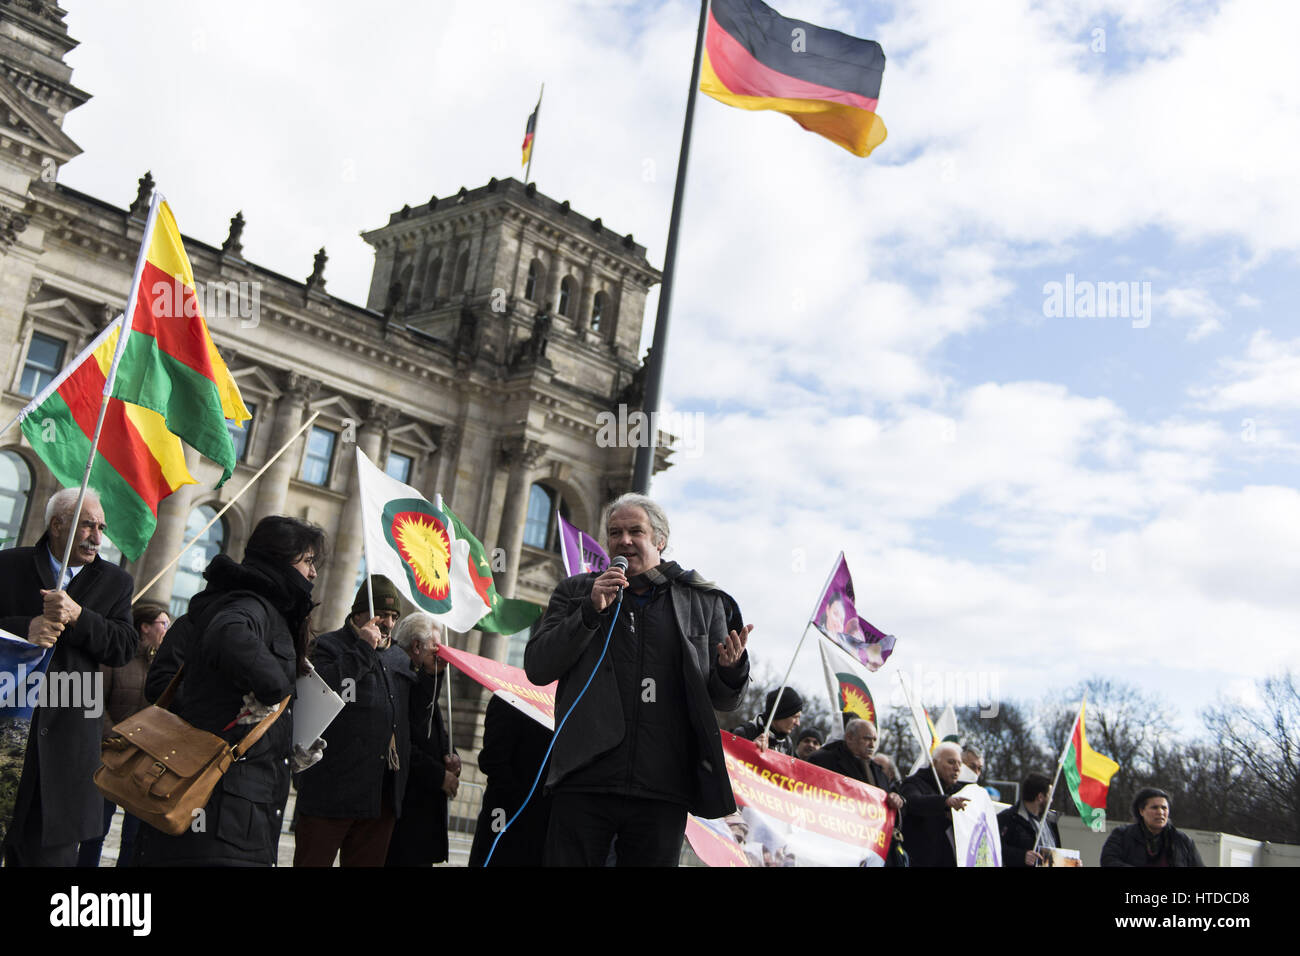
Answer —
(22, 667)
(838, 621)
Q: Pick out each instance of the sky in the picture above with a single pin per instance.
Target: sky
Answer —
(869, 355)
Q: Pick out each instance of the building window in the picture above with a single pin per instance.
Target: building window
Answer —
(431, 278)
(44, 362)
(567, 295)
(531, 290)
(240, 435)
(320, 455)
(15, 495)
(462, 270)
(399, 467)
(540, 527)
(515, 645)
(189, 570)
(598, 307)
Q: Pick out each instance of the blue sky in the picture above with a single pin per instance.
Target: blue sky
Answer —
(863, 341)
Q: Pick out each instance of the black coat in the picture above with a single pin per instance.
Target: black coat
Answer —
(242, 641)
(348, 782)
(67, 741)
(513, 748)
(1019, 835)
(420, 836)
(927, 824)
(752, 729)
(837, 758)
(1126, 846)
(565, 647)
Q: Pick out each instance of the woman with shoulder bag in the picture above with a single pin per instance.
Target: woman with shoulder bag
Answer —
(249, 646)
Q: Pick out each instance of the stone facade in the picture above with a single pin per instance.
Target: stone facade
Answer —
(499, 324)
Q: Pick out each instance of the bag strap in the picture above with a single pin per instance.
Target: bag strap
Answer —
(263, 725)
(165, 698)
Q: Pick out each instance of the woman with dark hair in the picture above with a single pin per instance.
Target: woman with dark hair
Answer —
(248, 645)
(1152, 841)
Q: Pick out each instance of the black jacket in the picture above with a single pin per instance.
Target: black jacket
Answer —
(242, 641)
(566, 646)
(420, 836)
(513, 747)
(1019, 835)
(67, 741)
(348, 782)
(752, 729)
(1126, 846)
(927, 824)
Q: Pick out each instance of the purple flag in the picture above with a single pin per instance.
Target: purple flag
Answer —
(580, 550)
(838, 620)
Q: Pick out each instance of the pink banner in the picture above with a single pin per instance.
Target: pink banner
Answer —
(792, 813)
(509, 683)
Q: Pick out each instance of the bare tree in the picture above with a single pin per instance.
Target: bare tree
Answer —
(1006, 740)
(1265, 742)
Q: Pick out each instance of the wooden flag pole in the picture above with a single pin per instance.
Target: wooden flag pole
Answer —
(226, 507)
(920, 737)
(122, 337)
(1060, 764)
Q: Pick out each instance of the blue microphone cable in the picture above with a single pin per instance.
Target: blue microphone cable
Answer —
(618, 606)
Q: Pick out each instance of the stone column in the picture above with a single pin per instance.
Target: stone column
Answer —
(552, 301)
(168, 536)
(348, 544)
(521, 455)
(583, 321)
(273, 487)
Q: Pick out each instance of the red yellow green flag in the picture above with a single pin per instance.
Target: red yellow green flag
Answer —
(170, 364)
(1087, 774)
(139, 461)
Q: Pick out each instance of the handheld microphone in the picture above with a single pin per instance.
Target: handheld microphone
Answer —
(620, 562)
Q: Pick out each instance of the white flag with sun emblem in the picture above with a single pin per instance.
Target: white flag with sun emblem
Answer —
(413, 543)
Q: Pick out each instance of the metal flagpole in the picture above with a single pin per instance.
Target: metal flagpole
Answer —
(123, 335)
(1038, 839)
(537, 122)
(821, 597)
(226, 507)
(645, 453)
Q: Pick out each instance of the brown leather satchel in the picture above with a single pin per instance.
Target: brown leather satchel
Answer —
(162, 770)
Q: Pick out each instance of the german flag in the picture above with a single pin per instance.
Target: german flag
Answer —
(529, 131)
(826, 81)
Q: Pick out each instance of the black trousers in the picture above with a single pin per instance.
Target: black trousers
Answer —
(643, 832)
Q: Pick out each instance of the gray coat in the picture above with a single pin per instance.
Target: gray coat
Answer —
(568, 642)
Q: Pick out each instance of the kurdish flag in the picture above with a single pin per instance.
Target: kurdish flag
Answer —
(169, 363)
(507, 615)
(414, 544)
(846, 684)
(1087, 773)
(826, 81)
(139, 461)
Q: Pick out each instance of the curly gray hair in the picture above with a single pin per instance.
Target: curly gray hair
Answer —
(416, 628)
(655, 514)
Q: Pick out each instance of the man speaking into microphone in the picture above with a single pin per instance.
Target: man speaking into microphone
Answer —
(641, 748)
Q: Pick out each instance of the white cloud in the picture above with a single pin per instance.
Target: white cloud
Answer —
(1266, 377)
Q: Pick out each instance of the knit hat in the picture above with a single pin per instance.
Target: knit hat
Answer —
(386, 598)
(791, 703)
(810, 733)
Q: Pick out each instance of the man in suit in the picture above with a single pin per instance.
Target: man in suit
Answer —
(87, 622)
(641, 747)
